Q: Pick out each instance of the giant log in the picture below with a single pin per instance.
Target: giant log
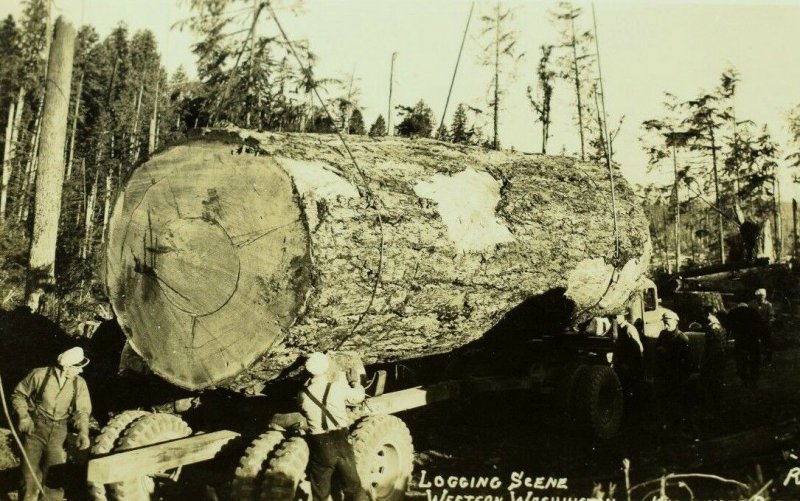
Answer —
(237, 252)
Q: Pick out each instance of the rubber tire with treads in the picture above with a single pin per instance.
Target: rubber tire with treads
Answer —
(285, 471)
(248, 475)
(599, 401)
(105, 442)
(566, 384)
(384, 443)
(148, 430)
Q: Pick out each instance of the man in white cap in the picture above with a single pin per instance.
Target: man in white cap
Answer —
(673, 365)
(767, 314)
(323, 401)
(45, 401)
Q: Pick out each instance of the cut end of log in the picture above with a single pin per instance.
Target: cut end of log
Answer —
(204, 245)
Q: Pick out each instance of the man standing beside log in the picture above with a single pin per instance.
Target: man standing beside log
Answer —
(767, 314)
(628, 356)
(323, 402)
(45, 401)
(672, 370)
(712, 367)
(744, 323)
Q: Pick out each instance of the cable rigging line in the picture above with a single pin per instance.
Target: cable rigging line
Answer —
(606, 138)
(373, 200)
(458, 60)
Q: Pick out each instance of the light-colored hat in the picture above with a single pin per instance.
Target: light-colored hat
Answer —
(317, 363)
(761, 292)
(669, 315)
(73, 357)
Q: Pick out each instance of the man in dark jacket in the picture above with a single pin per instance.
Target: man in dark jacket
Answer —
(767, 314)
(628, 354)
(673, 365)
(744, 325)
(45, 401)
(712, 367)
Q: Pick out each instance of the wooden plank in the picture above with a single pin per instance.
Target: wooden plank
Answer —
(159, 457)
(411, 398)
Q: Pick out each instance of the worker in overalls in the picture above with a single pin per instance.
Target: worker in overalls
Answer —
(46, 401)
(323, 402)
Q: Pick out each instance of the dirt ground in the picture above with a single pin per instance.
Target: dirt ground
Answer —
(518, 434)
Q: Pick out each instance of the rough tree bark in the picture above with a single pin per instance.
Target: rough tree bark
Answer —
(71, 156)
(50, 178)
(88, 223)
(217, 261)
(152, 140)
(7, 165)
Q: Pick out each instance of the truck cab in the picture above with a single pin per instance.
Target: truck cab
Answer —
(645, 309)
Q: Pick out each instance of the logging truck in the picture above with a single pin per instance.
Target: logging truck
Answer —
(233, 254)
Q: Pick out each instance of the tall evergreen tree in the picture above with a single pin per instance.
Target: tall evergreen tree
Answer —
(378, 128)
(416, 122)
(357, 123)
(575, 61)
(540, 101)
(500, 49)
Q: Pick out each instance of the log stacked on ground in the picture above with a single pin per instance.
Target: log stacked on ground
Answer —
(221, 260)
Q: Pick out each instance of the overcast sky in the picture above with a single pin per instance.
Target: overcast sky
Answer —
(647, 48)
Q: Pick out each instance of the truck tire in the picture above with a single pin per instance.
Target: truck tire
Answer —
(599, 401)
(148, 430)
(105, 442)
(248, 474)
(566, 385)
(285, 471)
(384, 456)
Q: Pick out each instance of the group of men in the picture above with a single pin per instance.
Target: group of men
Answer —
(52, 401)
(749, 325)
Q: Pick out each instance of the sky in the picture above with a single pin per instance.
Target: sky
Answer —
(647, 48)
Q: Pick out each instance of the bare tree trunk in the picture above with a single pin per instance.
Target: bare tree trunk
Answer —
(776, 210)
(88, 224)
(82, 203)
(794, 227)
(720, 230)
(30, 169)
(578, 87)
(50, 179)
(7, 163)
(74, 128)
(389, 129)
(106, 206)
(152, 142)
(677, 213)
(496, 104)
(135, 143)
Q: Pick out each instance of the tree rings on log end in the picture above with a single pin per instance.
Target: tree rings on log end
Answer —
(199, 240)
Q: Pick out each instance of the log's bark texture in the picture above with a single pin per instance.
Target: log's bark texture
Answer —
(50, 178)
(220, 261)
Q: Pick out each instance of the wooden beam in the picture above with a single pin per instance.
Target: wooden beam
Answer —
(411, 398)
(159, 457)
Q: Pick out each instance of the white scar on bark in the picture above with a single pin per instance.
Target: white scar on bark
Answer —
(467, 203)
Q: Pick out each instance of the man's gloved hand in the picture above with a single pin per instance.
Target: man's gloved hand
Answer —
(25, 425)
(83, 441)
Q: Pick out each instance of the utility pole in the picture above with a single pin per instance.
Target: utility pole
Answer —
(389, 129)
